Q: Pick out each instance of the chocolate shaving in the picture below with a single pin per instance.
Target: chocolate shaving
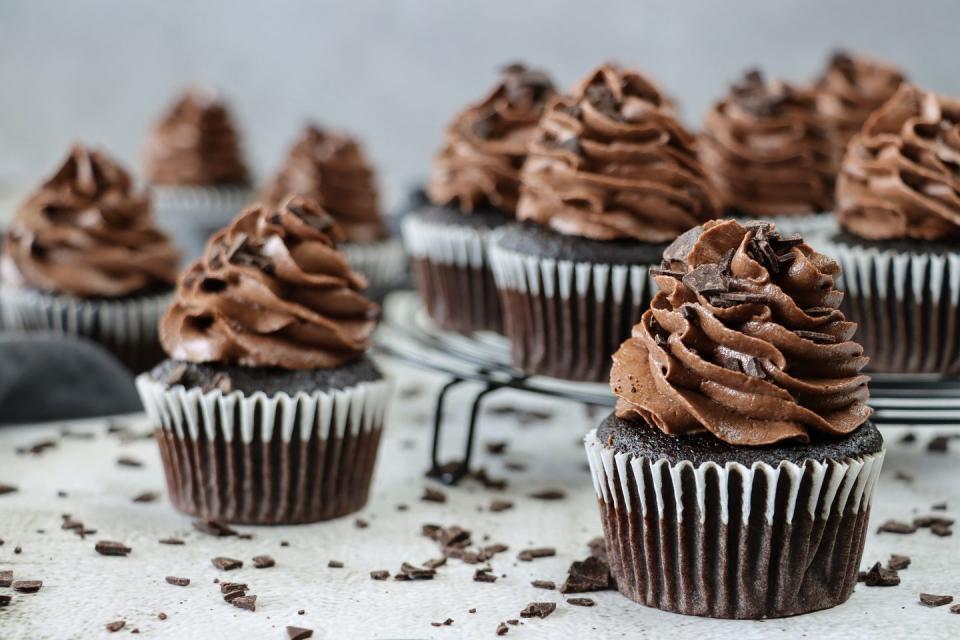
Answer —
(245, 602)
(549, 494)
(496, 506)
(877, 576)
(816, 336)
(896, 526)
(898, 563)
(589, 574)
(178, 582)
(263, 562)
(380, 574)
(127, 461)
(931, 600)
(433, 495)
(528, 555)
(6, 578)
(412, 572)
(544, 584)
(7, 488)
(299, 633)
(115, 626)
(171, 541)
(147, 496)
(229, 587)
(538, 610)
(502, 629)
(111, 548)
(334, 564)
(581, 602)
(483, 575)
(27, 586)
(214, 528)
(226, 564)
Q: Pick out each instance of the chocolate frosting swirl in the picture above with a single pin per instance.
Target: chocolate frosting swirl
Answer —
(271, 290)
(611, 162)
(745, 341)
(850, 89)
(768, 150)
(486, 144)
(332, 169)
(87, 232)
(196, 144)
(901, 175)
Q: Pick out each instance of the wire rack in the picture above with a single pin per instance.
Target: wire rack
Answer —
(407, 334)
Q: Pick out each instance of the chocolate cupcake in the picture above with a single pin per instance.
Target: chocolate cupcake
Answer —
(849, 90)
(898, 203)
(332, 169)
(768, 150)
(269, 411)
(611, 178)
(83, 257)
(194, 163)
(473, 189)
(736, 475)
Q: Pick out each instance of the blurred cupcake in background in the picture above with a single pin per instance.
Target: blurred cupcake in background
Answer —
(332, 169)
(735, 477)
(849, 90)
(82, 257)
(898, 203)
(474, 187)
(768, 150)
(269, 409)
(194, 163)
(610, 179)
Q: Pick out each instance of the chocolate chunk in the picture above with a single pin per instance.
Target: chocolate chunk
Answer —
(433, 563)
(111, 548)
(214, 528)
(299, 633)
(816, 336)
(706, 279)
(147, 496)
(896, 526)
(115, 626)
(549, 494)
(932, 600)
(898, 563)
(908, 438)
(941, 529)
(496, 547)
(496, 506)
(955, 608)
(932, 521)
(127, 461)
(581, 602)
(590, 574)
(360, 523)
(226, 564)
(527, 555)
(877, 576)
(497, 484)
(245, 602)
(538, 610)
(544, 584)
(502, 629)
(515, 466)
(513, 622)
(37, 448)
(433, 495)
(497, 448)
(939, 506)
(27, 586)
(472, 610)
(228, 587)
(5, 600)
(171, 541)
(903, 476)
(939, 444)
(230, 596)
(263, 562)
(7, 488)
(483, 575)
(178, 582)
(380, 574)
(6, 578)
(335, 564)
(417, 573)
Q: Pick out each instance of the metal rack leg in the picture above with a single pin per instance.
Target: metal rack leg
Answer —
(451, 473)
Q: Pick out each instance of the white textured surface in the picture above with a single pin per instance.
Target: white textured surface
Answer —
(83, 591)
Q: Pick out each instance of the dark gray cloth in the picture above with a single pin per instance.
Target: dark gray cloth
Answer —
(45, 377)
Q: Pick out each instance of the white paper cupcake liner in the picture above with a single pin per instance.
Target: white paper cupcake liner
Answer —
(452, 274)
(906, 305)
(811, 226)
(383, 262)
(220, 203)
(262, 459)
(565, 319)
(731, 541)
(126, 327)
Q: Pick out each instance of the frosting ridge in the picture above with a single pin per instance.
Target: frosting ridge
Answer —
(743, 340)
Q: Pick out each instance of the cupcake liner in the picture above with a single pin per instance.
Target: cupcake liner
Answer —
(453, 276)
(383, 262)
(126, 327)
(731, 541)
(262, 459)
(907, 306)
(565, 319)
(809, 225)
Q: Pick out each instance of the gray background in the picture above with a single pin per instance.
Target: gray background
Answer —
(394, 72)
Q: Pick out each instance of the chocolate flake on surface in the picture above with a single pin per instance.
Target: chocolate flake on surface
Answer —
(528, 555)
(263, 562)
(127, 461)
(227, 587)
(335, 564)
(496, 506)
(177, 581)
(549, 494)
(877, 576)
(230, 596)
(497, 447)
(932, 521)
(360, 523)
(7, 488)
(171, 541)
(245, 602)
(939, 506)
(955, 608)
(898, 562)
(941, 529)
(146, 496)
(112, 548)
(502, 629)
(589, 574)
(6, 578)
(299, 633)
(411, 572)
(5, 600)
(226, 564)
(484, 574)
(544, 584)
(27, 586)
(214, 528)
(538, 610)
(897, 526)
(931, 600)
(380, 574)
(581, 602)
(433, 495)
(36, 448)
(116, 625)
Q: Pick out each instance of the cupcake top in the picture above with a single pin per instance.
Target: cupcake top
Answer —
(332, 169)
(195, 144)
(486, 144)
(850, 89)
(271, 290)
(744, 340)
(767, 149)
(610, 162)
(87, 232)
(900, 177)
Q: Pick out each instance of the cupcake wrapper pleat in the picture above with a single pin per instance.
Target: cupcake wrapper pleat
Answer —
(453, 276)
(733, 541)
(565, 319)
(217, 203)
(906, 305)
(383, 262)
(127, 328)
(262, 459)
(811, 226)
